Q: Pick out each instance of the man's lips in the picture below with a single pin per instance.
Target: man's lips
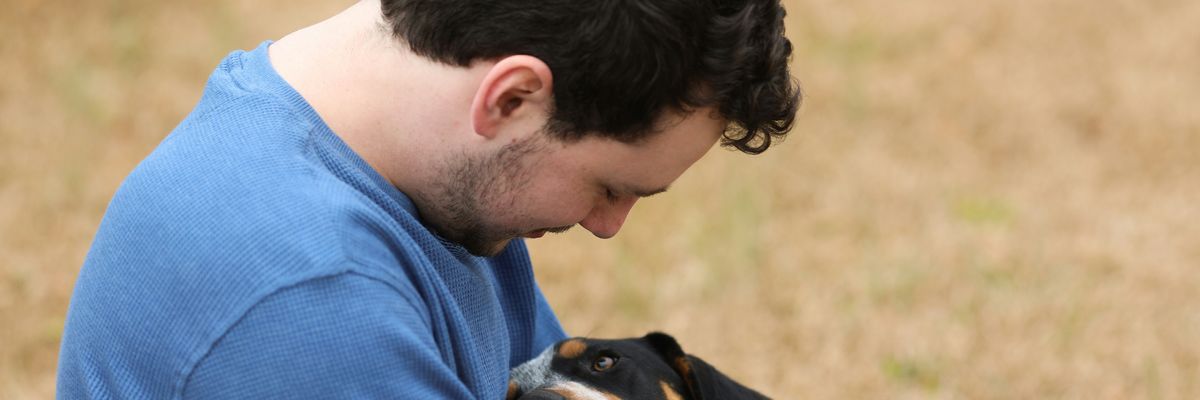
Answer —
(542, 232)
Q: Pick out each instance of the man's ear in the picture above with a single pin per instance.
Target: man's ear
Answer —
(516, 87)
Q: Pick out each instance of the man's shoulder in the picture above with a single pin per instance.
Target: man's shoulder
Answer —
(156, 344)
(329, 322)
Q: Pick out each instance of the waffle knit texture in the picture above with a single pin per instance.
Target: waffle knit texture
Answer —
(254, 255)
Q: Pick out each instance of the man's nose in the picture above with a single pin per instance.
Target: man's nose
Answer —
(606, 219)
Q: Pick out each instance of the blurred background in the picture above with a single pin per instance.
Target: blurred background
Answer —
(986, 200)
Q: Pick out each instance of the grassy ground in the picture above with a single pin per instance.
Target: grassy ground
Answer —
(988, 199)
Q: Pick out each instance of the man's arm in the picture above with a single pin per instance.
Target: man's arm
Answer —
(345, 336)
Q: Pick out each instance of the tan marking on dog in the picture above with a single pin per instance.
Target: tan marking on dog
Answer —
(572, 348)
(684, 368)
(512, 391)
(670, 394)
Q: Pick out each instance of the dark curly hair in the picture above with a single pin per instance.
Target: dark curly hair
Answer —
(618, 64)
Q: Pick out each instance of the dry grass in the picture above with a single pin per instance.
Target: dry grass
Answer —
(990, 199)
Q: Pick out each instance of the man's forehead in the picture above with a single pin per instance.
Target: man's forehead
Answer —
(676, 119)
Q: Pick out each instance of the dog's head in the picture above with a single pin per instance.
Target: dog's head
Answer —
(650, 367)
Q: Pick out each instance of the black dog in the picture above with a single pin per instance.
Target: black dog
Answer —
(650, 367)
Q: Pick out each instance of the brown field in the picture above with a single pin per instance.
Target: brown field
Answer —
(987, 199)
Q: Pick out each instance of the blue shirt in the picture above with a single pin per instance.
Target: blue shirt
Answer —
(254, 255)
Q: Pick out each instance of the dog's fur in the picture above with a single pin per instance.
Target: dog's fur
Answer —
(650, 367)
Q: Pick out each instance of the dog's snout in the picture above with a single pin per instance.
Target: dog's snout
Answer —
(542, 394)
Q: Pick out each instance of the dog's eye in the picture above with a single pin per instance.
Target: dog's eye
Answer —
(603, 363)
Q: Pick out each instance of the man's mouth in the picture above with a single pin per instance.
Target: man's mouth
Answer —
(542, 232)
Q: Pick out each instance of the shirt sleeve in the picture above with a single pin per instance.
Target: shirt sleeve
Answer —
(548, 330)
(344, 336)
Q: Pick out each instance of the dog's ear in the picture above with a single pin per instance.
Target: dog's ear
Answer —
(703, 381)
(666, 346)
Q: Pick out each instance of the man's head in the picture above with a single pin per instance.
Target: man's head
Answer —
(618, 65)
(583, 107)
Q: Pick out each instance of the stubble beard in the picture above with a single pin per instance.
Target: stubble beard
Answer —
(474, 190)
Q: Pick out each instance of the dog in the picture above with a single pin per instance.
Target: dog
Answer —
(651, 367)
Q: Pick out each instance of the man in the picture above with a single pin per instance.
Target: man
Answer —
(342, 214)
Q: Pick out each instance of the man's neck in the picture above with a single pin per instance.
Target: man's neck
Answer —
(397, 110)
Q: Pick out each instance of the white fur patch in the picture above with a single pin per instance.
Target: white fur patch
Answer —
(536, 374)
